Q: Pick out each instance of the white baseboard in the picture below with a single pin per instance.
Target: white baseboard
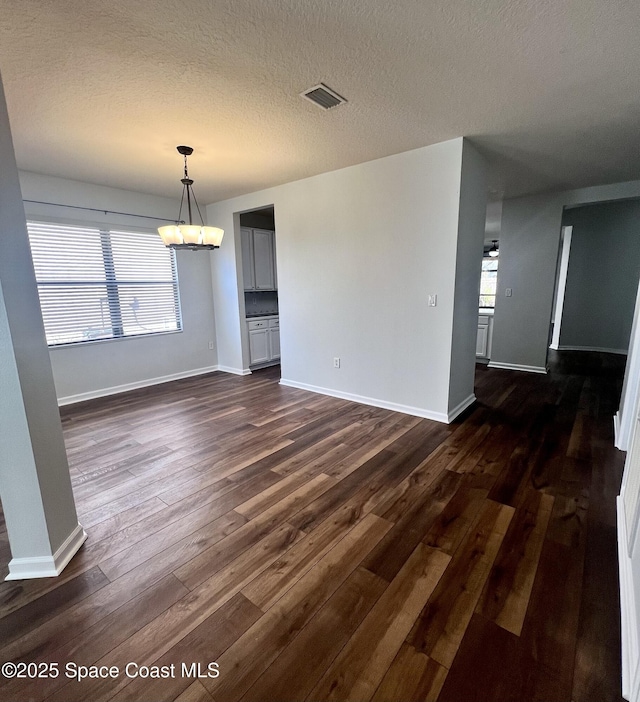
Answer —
(47, 566)
(460, 408)
(116, 389)
(373, 402)
(518, 367)
(629, 621)
(598, 349)
(235, 371)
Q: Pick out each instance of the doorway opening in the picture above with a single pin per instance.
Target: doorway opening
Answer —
(487, 299)
(261, 323)
(596, 278)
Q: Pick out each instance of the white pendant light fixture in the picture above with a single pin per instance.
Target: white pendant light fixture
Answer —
(493, 251)
(189, 235)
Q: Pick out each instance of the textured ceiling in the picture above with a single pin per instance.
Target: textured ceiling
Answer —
(104, 91)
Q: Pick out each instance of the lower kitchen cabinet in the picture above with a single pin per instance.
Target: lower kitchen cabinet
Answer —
(264, 340)
(483, 340)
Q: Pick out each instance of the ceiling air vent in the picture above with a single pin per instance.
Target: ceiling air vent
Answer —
(323, 96)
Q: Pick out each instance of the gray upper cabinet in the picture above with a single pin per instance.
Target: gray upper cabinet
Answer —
(258, 259)
(248, 267)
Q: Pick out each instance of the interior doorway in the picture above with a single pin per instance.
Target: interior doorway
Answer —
(597, 278)
(261, 322)
(487, 299)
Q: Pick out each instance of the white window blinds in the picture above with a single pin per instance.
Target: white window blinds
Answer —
(103, 284)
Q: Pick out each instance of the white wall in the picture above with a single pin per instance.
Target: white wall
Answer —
(560, 284)
(628, 504)
(631, 386)
(471, 232)
(94, 369)
(630, 595)
(493, 220)
(529, 244)
(359, 251)
(228, 292)
(602, 277)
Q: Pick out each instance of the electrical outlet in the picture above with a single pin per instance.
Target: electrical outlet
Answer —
(336, 362)
(508, 292)
(211, 346)
(433, 300)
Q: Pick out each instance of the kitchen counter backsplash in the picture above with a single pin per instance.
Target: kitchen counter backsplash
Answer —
(259, 304)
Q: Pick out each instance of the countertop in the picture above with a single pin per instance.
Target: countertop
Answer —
(254, 315)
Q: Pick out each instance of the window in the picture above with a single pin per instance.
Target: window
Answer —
(103, 284)
(488, 282)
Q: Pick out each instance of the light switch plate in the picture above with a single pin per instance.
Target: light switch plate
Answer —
(433, 300)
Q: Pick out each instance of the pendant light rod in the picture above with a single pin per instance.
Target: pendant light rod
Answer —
(187, 183)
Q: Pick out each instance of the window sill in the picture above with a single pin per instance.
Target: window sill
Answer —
(93, 342)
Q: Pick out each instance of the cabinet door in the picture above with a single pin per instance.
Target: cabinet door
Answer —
(482, 340)
(274, 334)
(259, 345)
(263, 259)
(247, 259)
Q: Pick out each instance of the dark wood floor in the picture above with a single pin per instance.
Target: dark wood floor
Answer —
(319, 549)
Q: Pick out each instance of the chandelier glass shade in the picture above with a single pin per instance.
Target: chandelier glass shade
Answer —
(183, 235)
(190, 236)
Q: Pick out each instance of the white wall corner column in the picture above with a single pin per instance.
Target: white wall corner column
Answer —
(623, 420)
(627, 423)
(628, 613)
(471, 225)
(561, 284)
(35, 485)
(228, 295)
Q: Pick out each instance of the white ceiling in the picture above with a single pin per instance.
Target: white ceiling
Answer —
(103, 90)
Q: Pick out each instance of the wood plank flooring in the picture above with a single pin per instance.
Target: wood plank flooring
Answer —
(318, 549)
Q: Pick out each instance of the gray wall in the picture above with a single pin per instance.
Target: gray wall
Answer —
(602, 279)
